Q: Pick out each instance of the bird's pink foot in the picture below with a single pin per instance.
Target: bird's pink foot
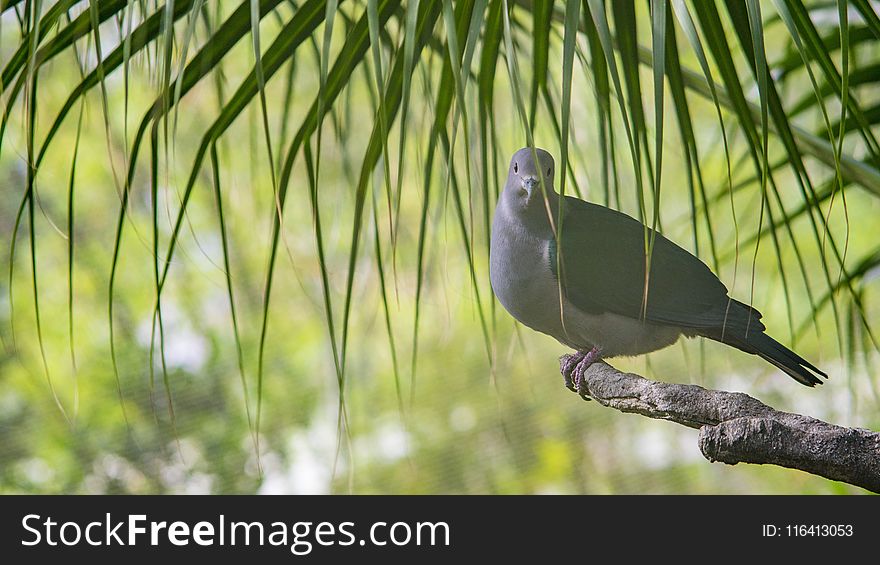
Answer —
(567, 365)
(574, 365)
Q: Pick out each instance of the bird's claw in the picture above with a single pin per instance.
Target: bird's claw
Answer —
(573, 367)
(567, 365)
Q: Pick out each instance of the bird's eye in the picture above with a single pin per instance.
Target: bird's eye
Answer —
(515, 168)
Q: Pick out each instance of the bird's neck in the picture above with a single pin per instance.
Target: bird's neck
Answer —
(539, 216)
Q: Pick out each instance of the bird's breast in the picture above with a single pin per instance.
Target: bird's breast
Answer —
(519, 269)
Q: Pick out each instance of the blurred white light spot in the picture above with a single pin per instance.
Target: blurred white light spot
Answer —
(184, 347)
(462, 418)
(309, 469)
(37, 470)
(654, 448)
(392, 442)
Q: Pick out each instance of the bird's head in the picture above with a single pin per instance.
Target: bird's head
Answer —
(528, 168)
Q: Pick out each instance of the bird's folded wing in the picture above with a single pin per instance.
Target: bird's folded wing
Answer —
(603, 263)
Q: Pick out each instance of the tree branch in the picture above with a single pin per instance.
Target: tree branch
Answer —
(736, 428)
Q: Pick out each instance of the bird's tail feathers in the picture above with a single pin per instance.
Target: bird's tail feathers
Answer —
(744, 330)
(787, 360)
(760, 344)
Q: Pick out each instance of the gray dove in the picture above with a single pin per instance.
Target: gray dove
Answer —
(588, 290)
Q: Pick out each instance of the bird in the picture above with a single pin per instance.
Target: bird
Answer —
(575, 270)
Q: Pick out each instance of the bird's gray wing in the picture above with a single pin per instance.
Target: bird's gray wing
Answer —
(603, 270)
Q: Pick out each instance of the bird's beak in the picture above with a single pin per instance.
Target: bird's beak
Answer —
(529, 184)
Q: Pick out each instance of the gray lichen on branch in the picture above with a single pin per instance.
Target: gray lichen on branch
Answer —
(736, 428)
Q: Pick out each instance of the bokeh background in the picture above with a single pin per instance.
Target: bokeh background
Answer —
(471, 402)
